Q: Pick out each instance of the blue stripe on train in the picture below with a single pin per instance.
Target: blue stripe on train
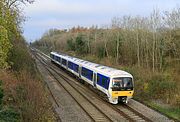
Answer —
(76, 67)
(87, 73)
(73, 66)
(64, 62)
(103, 81)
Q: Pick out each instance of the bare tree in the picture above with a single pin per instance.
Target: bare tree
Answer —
(155, 25)
(16, 3)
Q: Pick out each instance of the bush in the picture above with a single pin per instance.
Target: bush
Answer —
(71, 45)
(161, 89)
(9, 115)
(21, 58)
(80, 44)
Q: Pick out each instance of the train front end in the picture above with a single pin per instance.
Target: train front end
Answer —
(121, 89)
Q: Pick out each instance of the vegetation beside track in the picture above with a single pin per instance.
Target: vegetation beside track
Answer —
(147, 47)
(22, 94)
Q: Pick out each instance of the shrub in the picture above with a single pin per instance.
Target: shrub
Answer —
(71, 44)
(162, 89)
(80, 44)
(9, 115)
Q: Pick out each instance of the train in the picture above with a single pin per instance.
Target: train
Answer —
(117, 85)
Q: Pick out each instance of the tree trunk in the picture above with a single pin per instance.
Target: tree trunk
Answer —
(153, 50)
(138, 54)
(117, 49)
(89, 48)
(106, 50)
(146, 53)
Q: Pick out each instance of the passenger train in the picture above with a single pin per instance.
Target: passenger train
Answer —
(118, 85)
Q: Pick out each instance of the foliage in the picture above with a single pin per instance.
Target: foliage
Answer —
(10, 26)
(161, 89)
(9, 115)
(21, 58)
(71, 44)
(22, 76)
(80, 45)
(5, 46)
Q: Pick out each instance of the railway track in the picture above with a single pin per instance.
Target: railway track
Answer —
(52, 96)
(91, 109)
(124, 110)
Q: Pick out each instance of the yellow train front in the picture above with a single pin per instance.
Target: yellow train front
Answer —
(121, 89)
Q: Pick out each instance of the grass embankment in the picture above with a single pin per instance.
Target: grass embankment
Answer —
(23, 96)
(170, 111)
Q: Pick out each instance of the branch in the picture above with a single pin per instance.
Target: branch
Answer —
(11, 3)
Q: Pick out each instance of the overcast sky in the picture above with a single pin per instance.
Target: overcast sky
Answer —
(63, 14)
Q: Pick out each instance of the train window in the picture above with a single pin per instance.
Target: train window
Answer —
(103, 81)
(76, 68)
(90, 75)
(98, 80)
(127, 82)
(64, 62)
(83, 72)
(55, 57)
(87, 73)
(58, 59)
(122, 83)
(70, 65)
(117, 83)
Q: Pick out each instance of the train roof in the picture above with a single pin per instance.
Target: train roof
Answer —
(108, 71)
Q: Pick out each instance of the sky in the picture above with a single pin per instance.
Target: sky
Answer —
(43, 15)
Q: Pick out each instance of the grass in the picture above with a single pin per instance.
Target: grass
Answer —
(172, 112)
(7, 113)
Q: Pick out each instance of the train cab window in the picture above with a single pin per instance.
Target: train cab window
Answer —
(127, 82)
(117, 83)
(122, 84)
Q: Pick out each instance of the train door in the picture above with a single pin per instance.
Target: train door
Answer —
(94, 79)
